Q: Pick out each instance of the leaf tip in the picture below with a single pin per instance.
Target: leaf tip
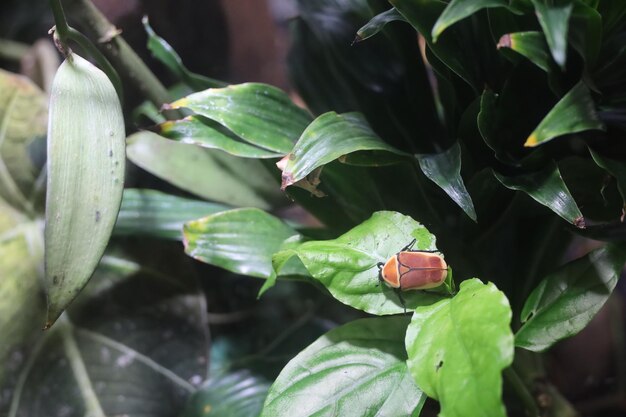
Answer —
(505, 41)
(579, 222)
(532, 141)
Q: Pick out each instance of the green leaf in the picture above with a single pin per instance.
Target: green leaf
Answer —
(130, 345)
(241, 240)
(332, 136)
(200, 131)
(207, 173)
(575, 112)
(615, 168)
(460, 9)
(566, 300)
(554, 18)
(547, 188)
(531, 45)
(22, 304)
(357, 369)
(586, 32)
(444, 169)
(23, 120)
(164, 52)
(156, 214)
(239, 394)
(259, 114)
(377, 23)
(347, 265)
(458, 347)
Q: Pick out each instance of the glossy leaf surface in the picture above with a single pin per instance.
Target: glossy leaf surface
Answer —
(460, 9)
(259, 114)
(357, 369)
(347, 265)
(458, 348)
(575, 112)
(377, 23)
(554, 20)
(444, 169)
(153, 213)
(566, 300)
(531, 45)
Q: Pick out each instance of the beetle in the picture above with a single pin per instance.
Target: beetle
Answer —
(411, 269)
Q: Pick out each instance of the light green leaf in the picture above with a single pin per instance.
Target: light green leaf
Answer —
(554, 18)
(357, 369)
(547, 188)
(575, 112)
(347, 265)
(23, 120)
(241, 240)
(204, 132)
(207, 173)
(458, 347)
(377, 23)
(156, 214)
(460, 9)
(332, 136)
(444, 169)
(566, 300)
(531, 45)
(260, 114)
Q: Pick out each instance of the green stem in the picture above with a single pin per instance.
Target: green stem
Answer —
(522, 392)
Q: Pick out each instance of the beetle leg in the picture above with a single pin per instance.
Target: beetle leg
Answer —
(380, 271)
(398, 292)
(409, 246)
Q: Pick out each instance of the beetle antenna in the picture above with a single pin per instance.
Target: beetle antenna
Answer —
(409, 246)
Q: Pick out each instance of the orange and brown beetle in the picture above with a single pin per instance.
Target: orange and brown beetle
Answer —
(413, 270)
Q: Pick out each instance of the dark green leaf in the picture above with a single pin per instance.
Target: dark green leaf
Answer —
(530, 44)
(575, 112)
(566, 300)
(377, 23)
(156, 214)
(259, 114)
(547, 188)
(458, 347)
(207, 173)
(168, 56)
(554, 18)
(330, 137)
(460, 9)
(347, 265)
(241, 240)
(239, 394)
(100, 367)
(444, 169)
(23, 120)
(616, 168)
(200, 131)
(586, 32)
(358, 369)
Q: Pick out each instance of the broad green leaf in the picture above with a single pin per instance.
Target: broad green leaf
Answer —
(554, 18)
(586, 32)
(531, 45)
(615, 168)
(207, 173)
(260, 114)
(377, 23)
(566, 300)
(444, 169)
(156, 214)
(164, 52)
(131, 346)
(357, 369)
(347, 265)
(547, 188)
(331, 136)
(575, 112)
(200, 131)
(460, 9)
(458, 348)
(423, 14)
(240, 240)
(22, 305)
(23, 120)
(239, 394)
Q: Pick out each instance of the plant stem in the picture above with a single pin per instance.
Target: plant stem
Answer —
(118, 51)
(522, 391)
